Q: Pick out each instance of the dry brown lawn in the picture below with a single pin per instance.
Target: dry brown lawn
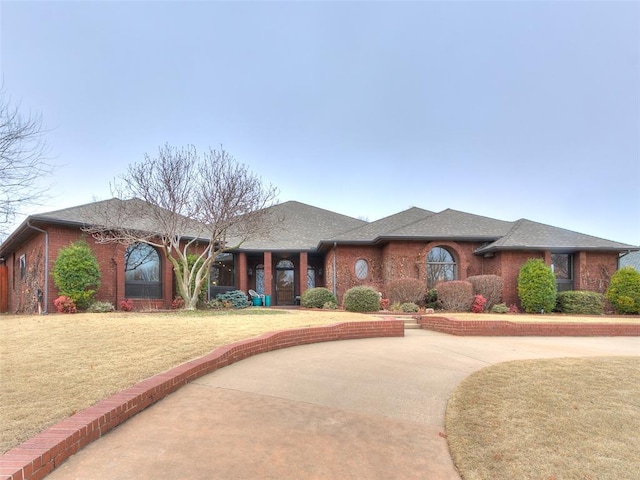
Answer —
(521, 420)
(548, 420)
(52, 366)
(546, 318)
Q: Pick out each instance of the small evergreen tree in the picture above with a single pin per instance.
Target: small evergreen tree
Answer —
(537, 287)
(624, 291)
(76, 273)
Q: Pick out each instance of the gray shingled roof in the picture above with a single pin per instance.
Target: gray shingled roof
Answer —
(529, 235)
(453, 224)
(298, 226)
(371, 231)
(631, 260)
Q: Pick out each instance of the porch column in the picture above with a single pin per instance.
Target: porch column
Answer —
(243, 280)
(302, 275)
(268, 275)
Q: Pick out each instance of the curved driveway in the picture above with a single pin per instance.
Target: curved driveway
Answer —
(355, 409)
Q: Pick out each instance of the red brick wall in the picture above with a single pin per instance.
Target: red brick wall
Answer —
(346, 257)
(110, 258)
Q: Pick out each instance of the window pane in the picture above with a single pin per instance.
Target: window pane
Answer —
(441, 267)
(562, 266)
(260, 279)
(142, 263)
(311, 278)
(362, 269)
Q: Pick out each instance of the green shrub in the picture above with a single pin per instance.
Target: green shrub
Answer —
(624, 291)
(237, 298)
(361, 299)
(500, 308)
(431, 299)
(580, 302)
(316, 297)
(330, 305)
(101, 307)
(489, 286)
(406, 290)
(456, 295)
(536, 287)
(76, 273)
(409, 307)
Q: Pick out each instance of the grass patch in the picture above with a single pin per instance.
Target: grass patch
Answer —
(55, 365)
(548, 419)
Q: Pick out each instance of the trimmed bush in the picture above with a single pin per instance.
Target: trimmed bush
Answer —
(406, 290)
(127, 305)
(479, 303)
(489, 286)
(317, 297)
(431, 299)
(76, 273)
(361, 299)
(456, 296)
(537, 287)
(624, 291)
(409, 307)
(580, 302)
(65, 304)
(237, 298)
(385, 303)
(500, 308)
(101, 307)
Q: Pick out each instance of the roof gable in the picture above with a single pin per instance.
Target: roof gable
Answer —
(528, 235)
(371, 231)
(298, 226)
(454, 224)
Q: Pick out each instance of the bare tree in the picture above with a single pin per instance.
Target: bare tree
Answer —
(185, 203)
(22, 161)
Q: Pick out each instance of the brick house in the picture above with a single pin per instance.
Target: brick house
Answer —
(313, 247)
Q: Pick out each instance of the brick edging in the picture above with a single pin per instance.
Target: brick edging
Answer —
(503, 328)
(40, 455)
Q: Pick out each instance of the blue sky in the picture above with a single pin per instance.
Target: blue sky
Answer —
(504, 109)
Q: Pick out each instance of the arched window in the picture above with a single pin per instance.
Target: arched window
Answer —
(362, 269)
(142, 277)
(441, 266)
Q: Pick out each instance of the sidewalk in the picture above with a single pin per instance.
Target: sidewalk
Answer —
(370, 409)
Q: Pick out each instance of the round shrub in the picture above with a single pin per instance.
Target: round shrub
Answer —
(76, 273)
(431, 299)
(406, 290)
(361, 299)
(536, 287)
(489, 286)
(101, 307)
(317, 297)
(65, 304)
(500, 308)
(624, 291)
(479, 304)
(235, 298)
(409, 307)
(580, 302)
(456, 295)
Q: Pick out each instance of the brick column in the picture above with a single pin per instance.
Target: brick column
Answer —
(243, 280)
(302, 273)
(268, 275)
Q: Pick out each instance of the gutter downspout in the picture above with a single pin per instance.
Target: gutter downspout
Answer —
(46, 266)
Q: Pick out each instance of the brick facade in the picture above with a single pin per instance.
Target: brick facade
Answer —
(23, 286)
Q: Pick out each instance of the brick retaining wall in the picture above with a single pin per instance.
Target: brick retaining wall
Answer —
(38, 456)
(501, 328)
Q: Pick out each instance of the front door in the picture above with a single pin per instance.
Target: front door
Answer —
(285, 283)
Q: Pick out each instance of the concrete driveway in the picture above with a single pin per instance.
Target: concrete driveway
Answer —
(357, 409)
